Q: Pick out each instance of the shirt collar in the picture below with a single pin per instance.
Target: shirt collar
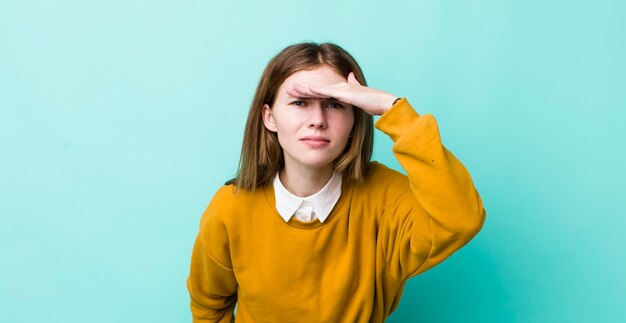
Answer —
(323, 201)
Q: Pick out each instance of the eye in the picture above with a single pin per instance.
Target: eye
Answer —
(334, 105)
(299, 103)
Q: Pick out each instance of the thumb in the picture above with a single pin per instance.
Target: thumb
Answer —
(352, 79)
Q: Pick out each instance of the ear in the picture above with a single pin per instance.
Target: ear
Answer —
(268, 118)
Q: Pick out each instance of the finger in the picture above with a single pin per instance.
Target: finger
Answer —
(342, 94)
(300, 95)
(352, 79)
(300, 91)
(326, 92)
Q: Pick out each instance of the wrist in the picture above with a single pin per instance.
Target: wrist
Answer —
(390, 101)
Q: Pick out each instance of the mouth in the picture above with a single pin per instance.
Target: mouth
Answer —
(315, 141)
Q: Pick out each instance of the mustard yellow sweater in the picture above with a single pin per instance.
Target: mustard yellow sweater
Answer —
(351, 268)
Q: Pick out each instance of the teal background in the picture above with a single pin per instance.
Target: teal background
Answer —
(120, 119)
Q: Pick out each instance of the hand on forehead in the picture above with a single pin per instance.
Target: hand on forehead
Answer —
(350, 91)
(341, 90)
(301, 83)
(304, 92)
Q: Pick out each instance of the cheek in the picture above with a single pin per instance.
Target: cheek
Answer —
(342, 129)
(283, 122)
(347, 123)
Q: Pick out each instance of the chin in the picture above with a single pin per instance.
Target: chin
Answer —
(317, 160)
(317, 164)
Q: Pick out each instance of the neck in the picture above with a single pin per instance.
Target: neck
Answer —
(305, 182)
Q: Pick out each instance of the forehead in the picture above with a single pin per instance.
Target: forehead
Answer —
(321, 76)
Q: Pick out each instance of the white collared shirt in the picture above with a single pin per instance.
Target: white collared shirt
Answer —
(307, 209)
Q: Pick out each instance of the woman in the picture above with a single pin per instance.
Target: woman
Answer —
(311, 230)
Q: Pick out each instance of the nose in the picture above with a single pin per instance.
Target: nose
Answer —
(317, 118)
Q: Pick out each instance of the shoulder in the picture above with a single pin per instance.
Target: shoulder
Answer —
(382, 189)
(381, 180)
(381, 174)
(229, 201)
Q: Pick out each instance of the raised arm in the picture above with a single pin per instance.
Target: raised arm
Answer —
(438, 210)
(444, 211)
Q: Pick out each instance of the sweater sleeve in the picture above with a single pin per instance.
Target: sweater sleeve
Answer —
(211, 283)
(439, 211)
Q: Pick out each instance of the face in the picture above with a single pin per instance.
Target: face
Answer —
(312, 132)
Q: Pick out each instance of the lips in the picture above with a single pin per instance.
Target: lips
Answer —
(315, 141)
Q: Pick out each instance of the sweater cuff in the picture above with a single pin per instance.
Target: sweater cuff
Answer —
(399, 117)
